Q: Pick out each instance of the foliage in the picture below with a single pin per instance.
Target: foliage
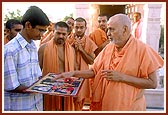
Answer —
(66, 17)
(13, 15)
(161, 41)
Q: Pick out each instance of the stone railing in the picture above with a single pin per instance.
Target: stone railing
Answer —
(155, 97)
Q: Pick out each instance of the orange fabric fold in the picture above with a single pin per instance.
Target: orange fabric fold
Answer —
(89, 47)
(47, 37)
(51, 65)
(98, 36)
(135, 59)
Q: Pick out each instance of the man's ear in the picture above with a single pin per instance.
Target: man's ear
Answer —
(28, 25)
(8, 31)
(125, 29)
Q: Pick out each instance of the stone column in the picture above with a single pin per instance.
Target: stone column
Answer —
(95, 11)
(83, 10)
(151, 24)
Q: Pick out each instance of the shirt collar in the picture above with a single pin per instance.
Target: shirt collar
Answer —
(23, 43)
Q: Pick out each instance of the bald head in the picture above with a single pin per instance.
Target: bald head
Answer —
(119, 29)
(122, 20)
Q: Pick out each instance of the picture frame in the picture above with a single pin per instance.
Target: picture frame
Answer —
(61, 87)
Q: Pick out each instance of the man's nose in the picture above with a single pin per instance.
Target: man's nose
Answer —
(61, 35)
(78, 29)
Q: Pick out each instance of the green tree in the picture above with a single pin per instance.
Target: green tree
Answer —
(161, 41)
(162, 36)
(13, 15)
(66, 17)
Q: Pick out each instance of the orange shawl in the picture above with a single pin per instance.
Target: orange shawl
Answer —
(98, 36)
(47, 37)
(50, 58)
(137, 29)
(50, 64)
(135, 59)
(89, 47)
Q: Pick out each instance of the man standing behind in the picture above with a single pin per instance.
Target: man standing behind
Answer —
(70, 22)
(99, 35)
(137, 26)
(21, 65)
(12, 27)
(84, 48)
(48, 35)
(57, 56)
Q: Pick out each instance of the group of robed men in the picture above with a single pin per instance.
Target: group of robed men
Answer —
(104, 59)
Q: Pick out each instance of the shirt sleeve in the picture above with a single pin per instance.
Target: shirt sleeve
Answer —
(10, 72)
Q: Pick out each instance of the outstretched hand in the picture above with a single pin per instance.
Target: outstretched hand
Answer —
(63, 75)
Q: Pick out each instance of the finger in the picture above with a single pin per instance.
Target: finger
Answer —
(106, 71)
(103, 73)
(109, 73)
(107, 77)
(57, 77)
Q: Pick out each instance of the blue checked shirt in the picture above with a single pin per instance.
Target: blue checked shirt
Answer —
(21, 66)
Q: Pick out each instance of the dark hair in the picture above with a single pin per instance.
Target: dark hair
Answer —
(61, 24)
(35, 16)
(11, 22)
(80, 19)
(102, 15)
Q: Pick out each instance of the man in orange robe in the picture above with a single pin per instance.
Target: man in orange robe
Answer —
(99, 35)
(137, 26)
(70, 22)
(48, 35)
(12, 27)
(57, 56)
(84, 48)
(122, 70)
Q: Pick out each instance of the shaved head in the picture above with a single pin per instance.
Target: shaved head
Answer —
(122, 20)
(119, 29)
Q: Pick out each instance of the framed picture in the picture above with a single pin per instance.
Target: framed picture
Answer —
(62, 87)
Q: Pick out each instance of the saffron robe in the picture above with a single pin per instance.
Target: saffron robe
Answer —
(137, 30)
(135, 59)
(98, 36)
(89, 46)
(46, 37)
(51, 65)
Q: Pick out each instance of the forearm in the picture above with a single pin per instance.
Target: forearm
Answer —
(88, 58)
(143, 83)
(20, 89)
(100, 48)
(139, 82)
(84, 74)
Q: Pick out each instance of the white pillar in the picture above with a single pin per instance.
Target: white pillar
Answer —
(152, 20)
(82, 10)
